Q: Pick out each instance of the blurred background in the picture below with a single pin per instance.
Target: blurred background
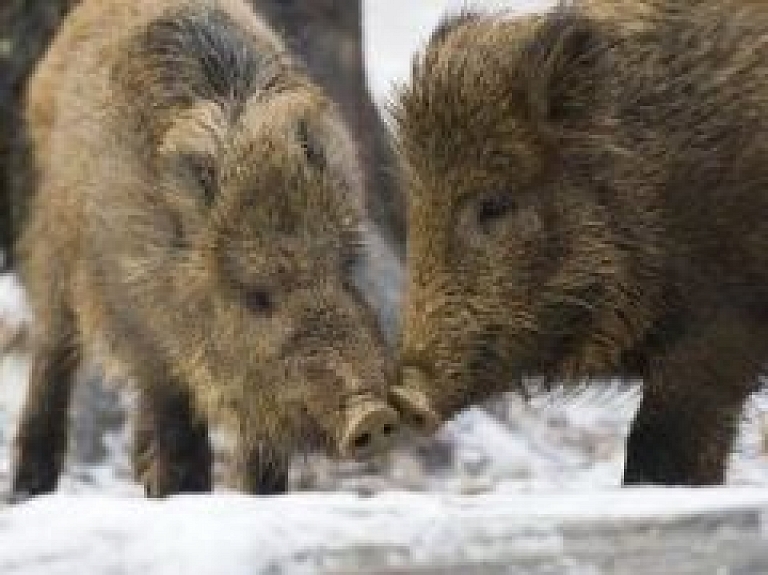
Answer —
(554, 441)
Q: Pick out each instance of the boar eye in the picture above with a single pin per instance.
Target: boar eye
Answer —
(493, 207)
(258, 300)
(203, 169)
(313, 151)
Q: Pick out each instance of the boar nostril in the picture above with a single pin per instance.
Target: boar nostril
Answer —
(362, 441)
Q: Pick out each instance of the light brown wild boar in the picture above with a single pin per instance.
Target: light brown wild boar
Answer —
(198, 212)
(588, 197)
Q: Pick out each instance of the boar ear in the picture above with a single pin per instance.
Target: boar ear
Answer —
(313, 149)
(193, 140)
(559, 65)
(195, 130)
(451, 22)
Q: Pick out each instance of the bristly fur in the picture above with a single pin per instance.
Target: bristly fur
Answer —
(192, 54)
(587, 198)
(451, 22)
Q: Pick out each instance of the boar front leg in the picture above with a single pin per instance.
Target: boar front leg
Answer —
(42, 438)
(261, 470)
(680, 442)
(171, 449)
(690, 412)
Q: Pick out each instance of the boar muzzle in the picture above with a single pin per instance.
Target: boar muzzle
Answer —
(371, 428)
(413, 404)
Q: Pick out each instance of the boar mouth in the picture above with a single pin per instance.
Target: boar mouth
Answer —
(566, 321)
(501, 357)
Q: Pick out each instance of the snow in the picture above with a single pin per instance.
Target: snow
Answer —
(13, 309)
(302, 533)
(509, 470)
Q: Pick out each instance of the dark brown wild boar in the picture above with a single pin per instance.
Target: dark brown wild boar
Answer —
(198, 212)
(588, 197)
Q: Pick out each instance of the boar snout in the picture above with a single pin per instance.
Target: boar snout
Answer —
(371, 429)
(415, 408)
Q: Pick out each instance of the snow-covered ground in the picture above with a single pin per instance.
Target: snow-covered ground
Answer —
(394, 532)
(558, 455)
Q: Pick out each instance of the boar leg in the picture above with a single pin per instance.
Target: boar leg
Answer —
(171, 449)
(261, 471)
(692, 401)
(42, 438)
(684, 444)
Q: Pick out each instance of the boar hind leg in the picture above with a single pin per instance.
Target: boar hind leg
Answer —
(42, 438)
(260, 471)
(171, 449)
(692, 402)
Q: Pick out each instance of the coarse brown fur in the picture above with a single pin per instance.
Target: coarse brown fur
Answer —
(26, 29)
(327, 35)
(198, 212)
(588, 197)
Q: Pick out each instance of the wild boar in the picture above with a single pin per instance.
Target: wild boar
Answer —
(198, 213)
(587, 198)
